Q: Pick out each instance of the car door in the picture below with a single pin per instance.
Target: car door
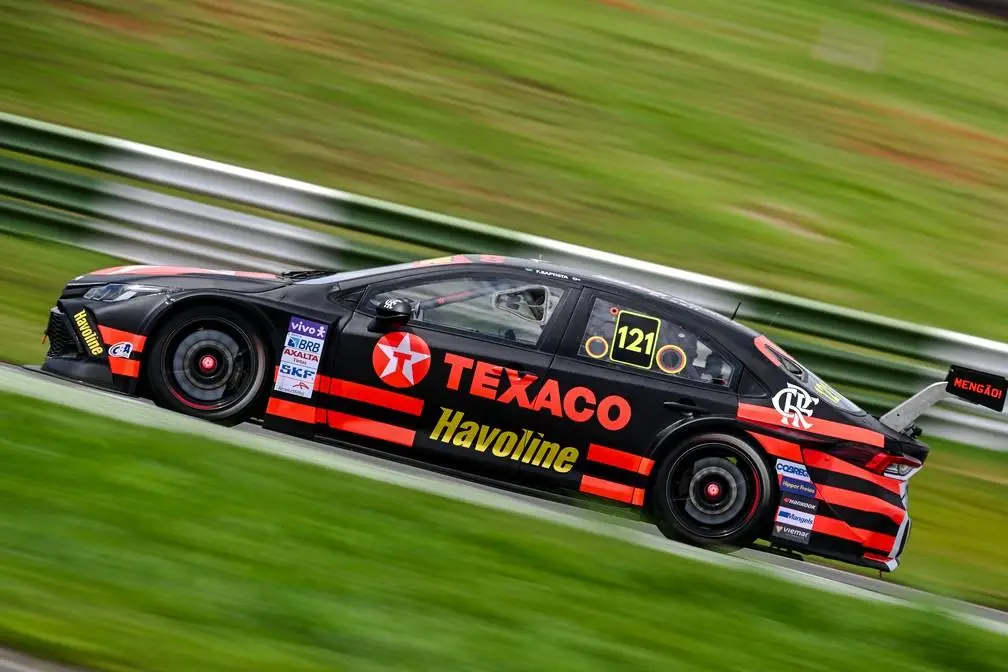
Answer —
(640, 367)
(450, 384)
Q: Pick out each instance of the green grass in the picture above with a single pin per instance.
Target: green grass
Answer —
(32, 277)
(853, 151)
(130, 549)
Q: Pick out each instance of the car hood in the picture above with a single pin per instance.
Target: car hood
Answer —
(182, 277)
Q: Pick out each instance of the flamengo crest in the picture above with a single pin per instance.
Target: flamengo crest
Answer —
(794, 405)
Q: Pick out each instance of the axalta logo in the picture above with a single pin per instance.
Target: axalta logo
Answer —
(91, 339)
(794, 405)
(300, 355)
(793, 469)
(401, 359)
(528, 447)
(499, 383)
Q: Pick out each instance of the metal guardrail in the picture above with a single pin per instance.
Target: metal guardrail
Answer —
(148, 204)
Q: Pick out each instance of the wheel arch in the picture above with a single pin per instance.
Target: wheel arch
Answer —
(155, 320)
(667, 439)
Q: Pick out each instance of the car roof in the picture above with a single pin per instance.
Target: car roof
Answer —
(543, 268)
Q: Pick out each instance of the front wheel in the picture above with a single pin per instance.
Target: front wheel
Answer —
(210, 363)
(712, 490)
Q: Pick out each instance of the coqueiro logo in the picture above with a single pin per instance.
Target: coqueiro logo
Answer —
(794, 405)
(91, 340)
(793, 469)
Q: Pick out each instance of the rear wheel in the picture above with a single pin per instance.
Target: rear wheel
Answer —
(712, 490)
(210, 363)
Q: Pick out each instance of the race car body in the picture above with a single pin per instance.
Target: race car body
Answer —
(522, 373)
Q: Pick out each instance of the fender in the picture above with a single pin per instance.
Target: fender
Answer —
(667, 437)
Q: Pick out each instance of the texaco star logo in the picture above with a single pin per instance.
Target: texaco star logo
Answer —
(401, 359)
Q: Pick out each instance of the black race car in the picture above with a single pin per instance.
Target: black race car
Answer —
(526, 374)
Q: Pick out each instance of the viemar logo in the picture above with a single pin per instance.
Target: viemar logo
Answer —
(529, 447)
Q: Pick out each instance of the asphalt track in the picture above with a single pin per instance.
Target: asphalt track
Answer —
(37, 385)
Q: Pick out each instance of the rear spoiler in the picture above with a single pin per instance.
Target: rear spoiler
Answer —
(977, 387)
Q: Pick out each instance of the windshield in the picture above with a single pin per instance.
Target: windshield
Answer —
(804, 377)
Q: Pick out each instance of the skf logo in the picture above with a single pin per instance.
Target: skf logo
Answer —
(91, 339)
(578, 403)
(529, 448)
(401, 359)
(794, 405)
(296, 371)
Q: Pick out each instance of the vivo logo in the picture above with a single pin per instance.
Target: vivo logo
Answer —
(307, 327)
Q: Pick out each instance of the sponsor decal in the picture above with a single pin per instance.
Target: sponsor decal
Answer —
(794, 405)
(499, 383)
(827, 392)
(795, 518)
(793, 470)
(796, 487)
(89, 335)
(300, 359)
(790, 533)
(527, 447)
(981, 388)
(401, 359)
(121, 349)
(303, 327)
(800, 503)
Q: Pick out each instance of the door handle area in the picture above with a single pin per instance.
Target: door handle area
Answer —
(687, 406)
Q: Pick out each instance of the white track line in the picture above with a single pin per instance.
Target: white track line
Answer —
(134, 411)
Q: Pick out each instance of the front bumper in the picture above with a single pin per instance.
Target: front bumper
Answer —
(79, 351)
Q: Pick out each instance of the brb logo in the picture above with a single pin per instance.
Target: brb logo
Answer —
(401, 359)
(794, 405)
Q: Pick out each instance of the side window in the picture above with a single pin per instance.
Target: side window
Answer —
(506, 308)
(627, 338)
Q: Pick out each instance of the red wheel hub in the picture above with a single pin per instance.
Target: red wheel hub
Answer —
(713, 490)
(207, 363)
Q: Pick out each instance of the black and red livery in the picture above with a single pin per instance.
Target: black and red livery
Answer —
(522, 373)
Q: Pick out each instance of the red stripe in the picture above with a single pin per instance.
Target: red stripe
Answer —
(785, 450)
(124, 367)
(376, 396)
(291, 410)
(620, 459)
(820, 460)
(860, 501)
(112, 336)
(836, 430)
(837, 528)
(603, 488)
(371, 428)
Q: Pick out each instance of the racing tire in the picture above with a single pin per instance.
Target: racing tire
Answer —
(713, 490)
(210, 363)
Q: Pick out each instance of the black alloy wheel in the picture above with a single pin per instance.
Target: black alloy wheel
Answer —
(713, 490)
(210, 363)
